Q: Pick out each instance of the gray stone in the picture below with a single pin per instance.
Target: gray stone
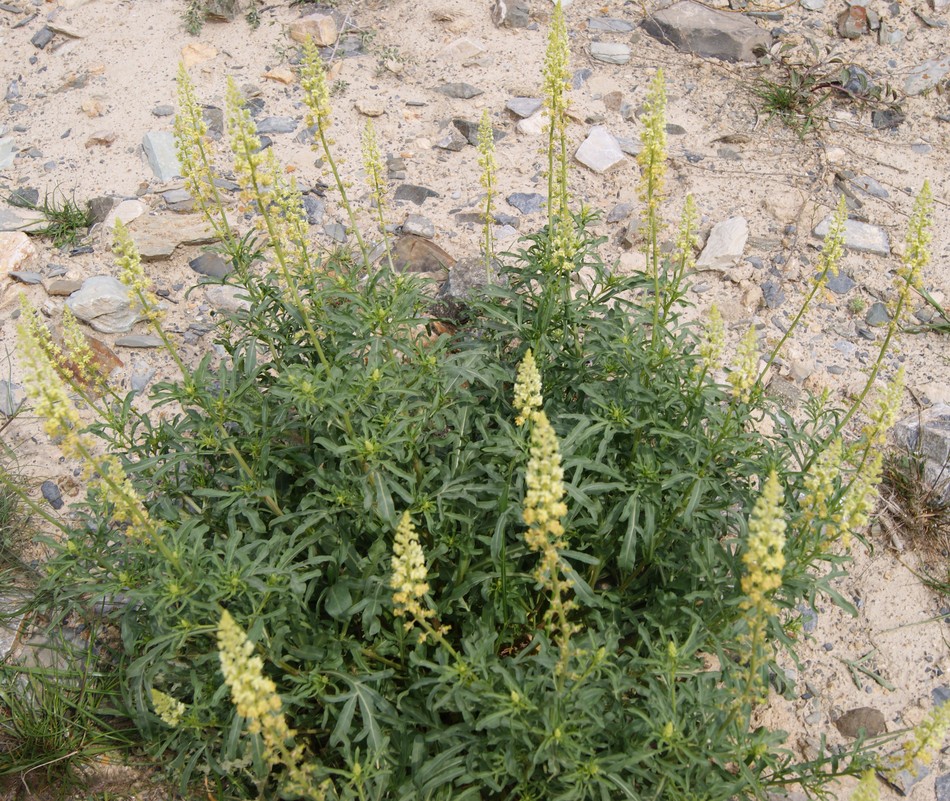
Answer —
(840, 284)
(619, 212)
(812, 5)
(469, 129)
(10, 398)
(335, 231)
(414, 194)
(902, 779)
(580, 76)
(7, 152)
(99, 208)
(159, 147)
(157, 237)
(52, 494)
(276, 125)
(631, 147)
(926, 76)
(610, 52)
(853, 22)
(864, 719)
(178, 200)
(104, 303)
(609, 25)
(42, 37)
(227, 298)
(140, 379)
(523, 106)
(212, 265)
(465, 278)
(453, 140)
(163, 111)
(858, 236)
(725, 244)
(511, 13)
(526, 202)
(877, 315)
(773, 293)
(694, 28)
(314, 208)
(869, 186)
(213, 117)
(460, 91)
(63, 287)
(139, 341)
(942, 788)
(886, 118)
(599, 151)
(26, 276)
(25, 196)
(418, 225)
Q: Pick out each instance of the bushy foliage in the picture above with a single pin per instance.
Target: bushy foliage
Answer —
(583, 602)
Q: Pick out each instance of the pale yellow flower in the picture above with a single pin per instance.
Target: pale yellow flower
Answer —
(132, 274)
(926, 739)
(745, 368)
(375, 172)
(169, 709)
(652, 156)
(409, 580)
(316, 92)
(867, 789)
(885, 411)
(544, 489)
(861, 497)
(528, 398)
(713, 343)
(764, 557)
(819, 483)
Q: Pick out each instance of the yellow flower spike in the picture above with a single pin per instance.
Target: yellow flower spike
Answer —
(868, 788)
(192, 145)
(555, 87)
(713, 343)
(764, 557)
(408, 581)
(885, 411)
(544, 489)
(132, 275)
(169, 710)
(79, 358)
(819, 483)
(919, 235)
(652, 157)
(254, 694)
(861, 498)
(316, 92)
(375, 173)
(833, 247)
(488, 166)
(745, 368)
(927, 738)
(528, 398)
(245, 147)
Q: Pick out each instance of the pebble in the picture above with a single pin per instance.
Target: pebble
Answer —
(276, 125)
(927, 75)
(104, 303)
(942, 788)
(609, 25)
(812, 5)
(469, 129)
(725, 244)
(10, 398)
(858, 236)
(414, 194)
(370, 106)
(523, 106)
(140, 379)
(314, 208)
(526, 202)
(418, 225)
(465, 278)
(460, 91)
(42, 38)
(694, 28)
(610, 52)
(533, 125)
(322, 28)
(600, 151)
(580, 76)
(212, 265)
(159, 147)
(853, 22)
(52, 494)
(163, 111)
(63, 287)
(840, 284)
(619, 212)
(772, 293)
(453, 140)
(336, 231)
(877, 315)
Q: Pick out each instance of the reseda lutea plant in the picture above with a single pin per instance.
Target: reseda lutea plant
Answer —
(545, 556)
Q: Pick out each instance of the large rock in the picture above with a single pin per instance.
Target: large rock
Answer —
(693, 28)
(725, 244)
(858, 236)
(159, 147)
(321, 28)
(599, 151)
(157, 237)
(104, 303)
(927, 75)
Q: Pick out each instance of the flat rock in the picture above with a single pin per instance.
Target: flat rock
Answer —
(511, 13)
(725, 244)
(453, 141)
(283, 75)
(63, 287)
(157, 237)
(694, 28)
(314, 208)
(139, 341)
(523, 106)
(414, 254)
(462, 50)
(926, 76)
(609, 25)
(16, 251)
(469, 129)
(276, 125)
(460, 91)
(533, 125)
(840, 284)
(942, 788)
(865, 718)
(212, 265)
(104, 303)
(197, 53)
(227, 297)
(159, 147)
(26, 276)
(600, 151)
(418, 225)
(414, 194)
(322, 28)
(11, 396)
(858, 236)
(370, 106)
(526, 202)
(610, 52)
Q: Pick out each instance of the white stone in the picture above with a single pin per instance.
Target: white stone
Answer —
(858, 236)
(104, 303)
(7, 152)
(533, 125)
(725, 244)
(927, 75)
(227, 298)
(610, 52)
(462, 50)
(599, 151)
(159, 148)
(16, 251)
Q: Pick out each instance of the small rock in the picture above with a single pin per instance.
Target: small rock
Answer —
(370, 106)
(335, 231)
(42, 38)
(140, 379)
(693, 28)
(104, 303)
(772, 293)
(16, 250)
(10, 399)
(859, 236)
(178, 200)
(163, 111)
(197, 53)
(927, 75)
(421, 256)
(533, 125)
(99, 208)
(414, 194)
(942, 788)
(26, 277)
(511, 14)
(812, 5)
(523, 106)
(139, 341)
(526, 202)
(212, 265)
(877, 315)
(840, 284)
(600, 151)
(580, 76)
(159, 148)
(102, 138)
(853, 22)
(887, 118)
(417, 225)
(609, 25)
(13, 91)
(25, 196)
(283, 75)
(631, 147)
(864, 719)
(462, 50)
(460, 91)
(52, 494)
(314, 208)
(8, 151)
(321, 28)
(227, 298)
(469, 129)
(213, 117)
(126, 211)
(276, 125)
(63, 287)
(610, 52)
(725, 244)
(453, 141)
(619, 212)
(869, 186)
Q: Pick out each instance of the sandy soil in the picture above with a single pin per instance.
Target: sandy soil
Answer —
(120, 65)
